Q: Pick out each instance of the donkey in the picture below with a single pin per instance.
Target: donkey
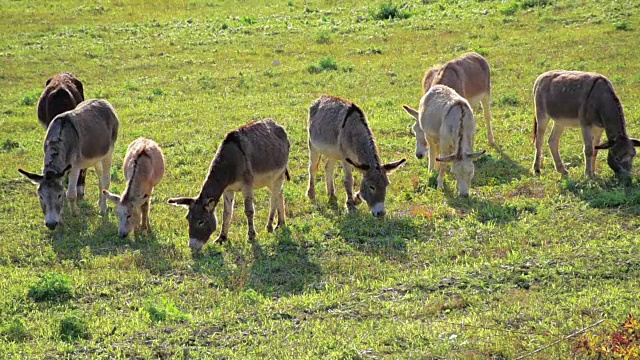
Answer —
(470, 76)
(251, 157)
(62, 92)
(143, 169)
(76, 139)
(445, 124)
(585, 100)
(339, 130)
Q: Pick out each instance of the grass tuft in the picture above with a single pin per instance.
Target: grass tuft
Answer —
(165, 310)
(51, 287)
(327, 63)
(388, 11)
(73, 327)
(30, 98)
(15, 331)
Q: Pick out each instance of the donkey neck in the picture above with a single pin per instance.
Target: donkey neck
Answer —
(219, 178)
(357, 139)
(61, 146)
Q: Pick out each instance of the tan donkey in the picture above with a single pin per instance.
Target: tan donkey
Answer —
(75, 140)
(470, 76)
(143, 169)
(252, 157)
(585, 100)
(339, 131)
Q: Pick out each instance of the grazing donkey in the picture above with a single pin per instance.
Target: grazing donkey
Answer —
(339, 130)
(470, 76)
(251, 157)
(585, 100)
(446, 124)
(76, 139)
(143, 169)
(62, 92)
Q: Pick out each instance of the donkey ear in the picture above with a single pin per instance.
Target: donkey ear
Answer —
(605, 145)
(181, 201)
(362, 167)
(48, 81)
(475, 155)
(411, 111)
(111, 196)
(79, 86)
(210, 204)
(447, 158)
(35, 178)
(635, 142)
(390, 167)
(64, 172)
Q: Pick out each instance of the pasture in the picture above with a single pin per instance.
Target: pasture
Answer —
(522, 262)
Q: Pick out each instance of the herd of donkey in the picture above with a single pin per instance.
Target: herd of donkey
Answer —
(83, 133)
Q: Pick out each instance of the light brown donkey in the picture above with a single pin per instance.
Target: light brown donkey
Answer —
(143, 169)
(470, 76)
(76, 139)
(338, 130)
(252, 157)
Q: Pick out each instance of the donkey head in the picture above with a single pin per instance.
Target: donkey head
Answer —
(201, 217)
(463, 169)
(50, 193)
(421, 141)
(373, 188)
(129, 211)
(621, 153)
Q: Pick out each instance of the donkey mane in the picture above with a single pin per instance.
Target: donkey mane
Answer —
(54, 142)
(355, 109)
(139, 153)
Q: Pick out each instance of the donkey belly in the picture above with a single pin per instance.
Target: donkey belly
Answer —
(331, 151)
(259, 180)
(567, 122)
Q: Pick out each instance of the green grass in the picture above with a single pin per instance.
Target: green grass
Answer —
(522, 262)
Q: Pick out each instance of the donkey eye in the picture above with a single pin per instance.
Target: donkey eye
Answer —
(372, 188)
(59, 196)
(201, 223)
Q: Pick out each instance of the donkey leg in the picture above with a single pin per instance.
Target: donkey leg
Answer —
(554, 144)
(146, 223)
(227, 214)
(587, 137)
(542, 120)
(249, 211)
(434, 150)
(72, 194)
(597, 134)
(441, 173)
(348, 186)
(329, 172)
(81, 183)
(272, 207)
(277, 203)
(105, 181)
(314, 159)
(486, 110)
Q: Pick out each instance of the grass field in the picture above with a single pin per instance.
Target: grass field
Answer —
(522, 262)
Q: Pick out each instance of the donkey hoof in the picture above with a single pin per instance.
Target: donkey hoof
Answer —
(251, 235)
(221, 239)
(311, 194)
(270, 228)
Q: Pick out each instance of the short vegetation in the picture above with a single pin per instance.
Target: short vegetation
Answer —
(521, 263)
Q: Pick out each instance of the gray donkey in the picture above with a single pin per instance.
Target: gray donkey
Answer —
(585, 100)
(252, 157)
(75, 140)
(338, 130)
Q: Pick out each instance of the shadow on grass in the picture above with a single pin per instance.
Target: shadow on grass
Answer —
(280, 269)
(608, 193)
(96, 235)
(500, 169)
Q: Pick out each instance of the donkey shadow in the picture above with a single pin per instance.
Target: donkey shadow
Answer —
(500, 168)
(96, 235)
(278, 269)
(606, 193)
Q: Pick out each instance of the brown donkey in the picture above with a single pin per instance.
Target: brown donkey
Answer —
(339, 130)
(62, 92)
(76, 139)
(143, 169)
(252, 157)
(585, 100)
(470, 76)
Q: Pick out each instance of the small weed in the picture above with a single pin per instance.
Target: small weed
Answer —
(30, 98)
(388, 11)
(158, 92)
(131, 86)
(509, 100)
(165, 310)
(528, 4)
(102, 94)
(73, 327)
(622, 25)
(323, 37)
(509, 8)
(618, 80)
(16, 331)
(371, 51)
(8, 145)
(482, 51)
(206, 82)
(248, 20)
(224, 26)
(290, 3)
(51, 287)
(327, 63)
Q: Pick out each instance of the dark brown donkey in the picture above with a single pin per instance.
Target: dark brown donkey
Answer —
(252, 157)
(62, 92)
